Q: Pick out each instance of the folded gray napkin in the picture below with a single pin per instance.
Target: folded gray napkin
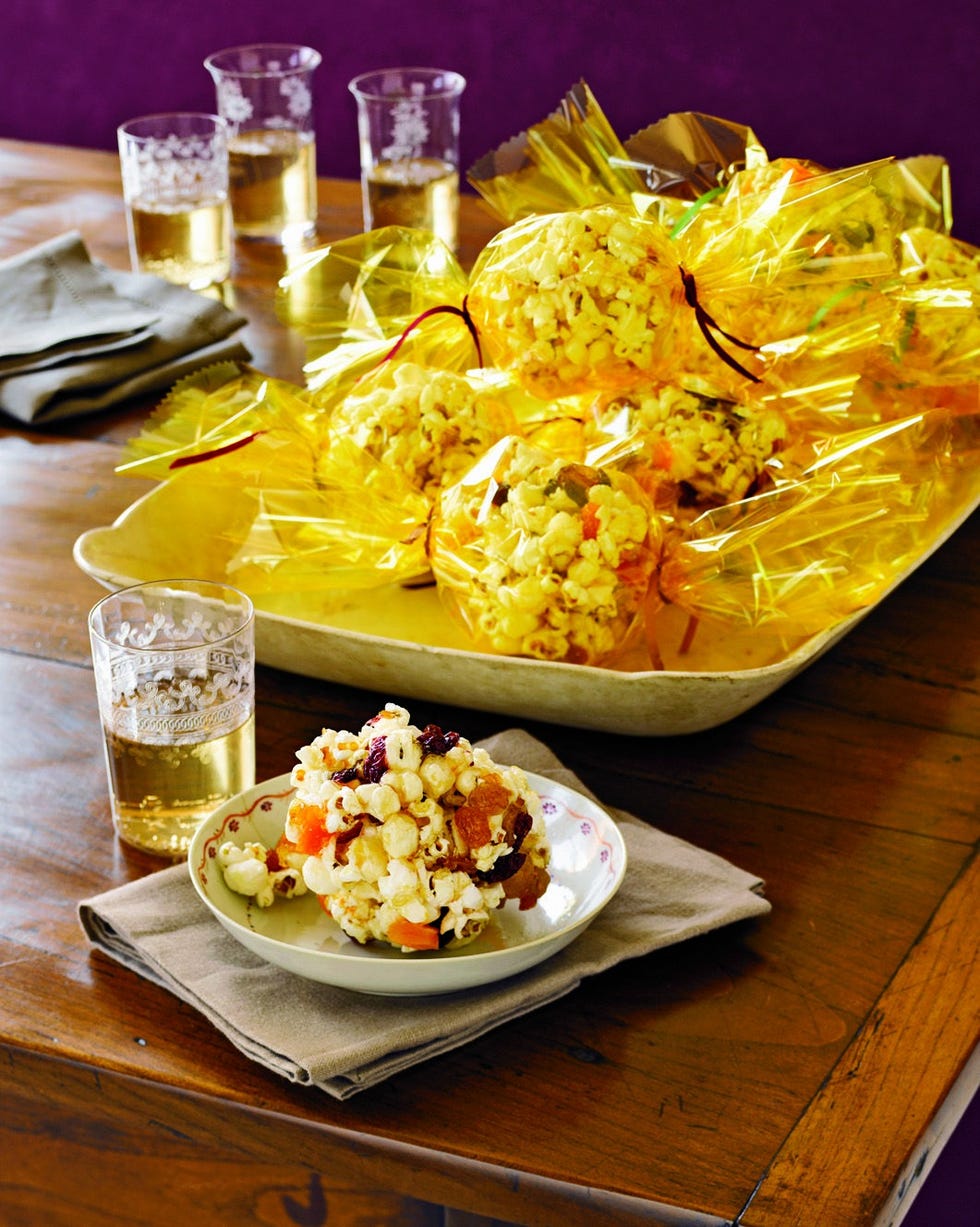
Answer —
(77, 337)
(344, 1042)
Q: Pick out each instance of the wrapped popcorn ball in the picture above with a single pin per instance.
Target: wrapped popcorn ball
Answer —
(575, 301)
(935, 335)
(427, 423)
(545, 558)
(685, 443)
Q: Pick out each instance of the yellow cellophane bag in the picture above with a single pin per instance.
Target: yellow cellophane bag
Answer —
(355, 300)
(770, 252)
(260, 492)
(577, 301)
(876, 352)
(601, 298)
(934, 333)
(689, 157)
(214, 411)
(428, 424)
(543, 558)
(828, 243)
(346, 522)
(688, 445)
(571, 159)
(815, 549)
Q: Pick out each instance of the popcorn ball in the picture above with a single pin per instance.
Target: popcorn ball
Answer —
(684, 437)
(427, 423)
(408, 836)
(545, 558)
(788, 252)
(262, 873)
(936, 330)
(578, 300)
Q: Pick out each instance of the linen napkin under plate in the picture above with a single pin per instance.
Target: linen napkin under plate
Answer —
(77, 337)
(342, 1041)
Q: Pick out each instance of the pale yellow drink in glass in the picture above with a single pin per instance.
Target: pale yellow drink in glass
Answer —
(175, 678)
(188, 244)
(272, 183)
(422, 193)
(161, 793)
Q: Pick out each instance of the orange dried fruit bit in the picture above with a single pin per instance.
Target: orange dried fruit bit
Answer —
(310, 822)
(528, 884)
(473, 826)
(402, 932)
(491, 795)
(278, 857)
(472, 819)
(313, 840)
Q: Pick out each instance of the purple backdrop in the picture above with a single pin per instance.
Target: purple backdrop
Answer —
(844, 82)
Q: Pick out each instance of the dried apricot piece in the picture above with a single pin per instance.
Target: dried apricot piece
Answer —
(472, 819)
(402, 932)
(312, 834)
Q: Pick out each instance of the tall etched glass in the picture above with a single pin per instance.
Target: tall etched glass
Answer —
(265, 95)
(408, 130)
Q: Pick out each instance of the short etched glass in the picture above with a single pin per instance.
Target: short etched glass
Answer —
(408, 129)
(175, 183)
(175, 677)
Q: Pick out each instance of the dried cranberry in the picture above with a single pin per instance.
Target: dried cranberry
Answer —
(344, 775)
(376, 763)
(521, 825)
(504, 867)
(447, 937)
(434, 741)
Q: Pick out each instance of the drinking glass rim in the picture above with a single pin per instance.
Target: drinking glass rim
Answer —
(219, 124)
(355, 85)
(314, 59)
(246, 618)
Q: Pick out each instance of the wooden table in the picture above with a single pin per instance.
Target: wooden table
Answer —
(804, 1068)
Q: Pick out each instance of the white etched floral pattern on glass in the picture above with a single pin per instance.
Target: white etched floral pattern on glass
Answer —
(409, 131)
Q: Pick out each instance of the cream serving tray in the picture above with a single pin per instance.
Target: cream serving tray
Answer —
(402, 642)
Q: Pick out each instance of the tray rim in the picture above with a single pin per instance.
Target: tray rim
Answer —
(272, 629)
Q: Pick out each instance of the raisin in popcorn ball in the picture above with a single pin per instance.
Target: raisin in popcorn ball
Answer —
(543, 558)
(426, 423)
(686, 443)
(413, 836)
(577, 300)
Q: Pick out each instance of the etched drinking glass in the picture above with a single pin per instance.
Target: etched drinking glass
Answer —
(265, 94)
(408, 130)
(175, 184)
(175, 676)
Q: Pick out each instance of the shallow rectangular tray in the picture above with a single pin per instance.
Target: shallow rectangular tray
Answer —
(401, 642)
